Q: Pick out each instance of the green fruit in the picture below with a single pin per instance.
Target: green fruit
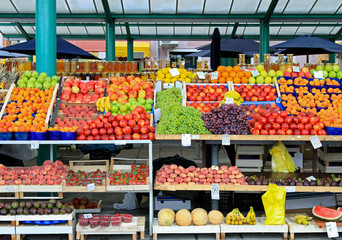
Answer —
(339, 74)
(114, 108)
(22, 85)
(268, 80)
(46, 85)
(55, 78)
(118, 104)
(128, 105)
(336, 68)
(30, 84)
(263, 73)
(38, 85)
(20, 81)
(149, 101)
(33, 79)
(260, 67)
(328, 68)
(132, 100)
(142, 101)
(132, 107)
(48, 79)
(25, 79)
(53, 83)
(279, 73)
(148, 107)
(35, 74)
(40, 79)
(123, 108)
(260, 80)
(272, 73)
(251, 80)
(325, 74)
(43, 74)
(332, 74)
(27, 74)
(312, 71)
(319, 68)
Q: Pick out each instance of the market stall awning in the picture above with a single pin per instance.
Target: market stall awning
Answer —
(121, 48)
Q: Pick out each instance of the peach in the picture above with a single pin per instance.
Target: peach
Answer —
(179, 179)
(190, 174)
(224, 175)
(185, 171)
(195, 179)
(49, 182)
(35, 181)
(2, 182)
(9, 182)
(173, 175)
(224, 167)
(42, 182)
(217, 180)
(216, 176)
(23, 176)
(35, 172)
(209, 175)
(232, 176)
(210, 180)
(14, 177)
(46, 177)
(181, 168)
(40, 177)
(203, 180)
(233, 168)
(17, 181)
(225, 180)
(204, 171)
(173, 166)
(177, 171)
(201, 176)
(183, 175)
(170, 179)
(219, 171)
(191, 168)
(27, 182)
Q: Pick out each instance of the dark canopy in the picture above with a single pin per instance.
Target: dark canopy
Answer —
(65, 50)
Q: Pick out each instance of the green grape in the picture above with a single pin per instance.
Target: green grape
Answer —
(169, 97)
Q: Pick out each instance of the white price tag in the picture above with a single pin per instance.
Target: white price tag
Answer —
(229, 100)
(168, 85)
(91, 187)
(183, 63)
(89, 215)
(290, 189)
(186, 140)
(214, 75)
(318, 74)
(295, 69)
(200, 75)
(311, 178)
(34, 144)
(9, 189)
(332, 230)
(120, 142)
(195, 137)
(174, 72)
(316, 143)
(255, 73)
(215, 191)
(225, 139)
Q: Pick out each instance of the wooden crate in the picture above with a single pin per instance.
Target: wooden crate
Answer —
(7, 225)
(191, 229)
(4, 192)
(259, 227)
(60, 228)
(40, 189)
(330, 157)
(249, 158)
(137, 225)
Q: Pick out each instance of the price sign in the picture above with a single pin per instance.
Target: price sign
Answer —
(34, 145)
(318, 74)
(89, 215)
(332, 230)
(295, 69)
(290, 189)
(316, 143)
(168, 85)
(183, 63)
(9, 189)
(311, 178)
(120, 142)
(214, 75)
(215, 191)
(91, 187)
(195, 137)
(255, 73)
(174, 72)
(229, 100)
(200, 75)
(225, 139)
(186, 140)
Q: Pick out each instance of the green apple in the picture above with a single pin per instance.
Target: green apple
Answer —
(123, 109)
(263, 73)
(132, 107)
(332, 74)
(260, 80)
(272, 73)
(40, 79)
(325, 74)
(312, 71)
(27, 74)
(319, 68)
(55, 78)
(43, 74)
(32, 79)
(35, 74)
(328, 68)
(149, 101)
(336, 67)
(339, 74)
(25, 79)
(279, 73)
(118, 104)
(53, 83)
(20, 81)
(141, 101)
(251, 80)
(46, 85)
(38, 85)
(268, 80)
(30, 84)
(48, 79)
(132, 100)
(22, 85)
(274, 79)
(260, 67)
(128, 105)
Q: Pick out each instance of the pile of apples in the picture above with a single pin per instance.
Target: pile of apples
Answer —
(273, 123)
(173, 175)
(123, 88)
(203, 107)
(50, 173)
(76, 91)
(205, 92)
(253, 109)
(132, 126)
(304, 72)
(257, 93)
(78, 111)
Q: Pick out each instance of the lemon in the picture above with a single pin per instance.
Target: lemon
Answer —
(168, 75)
(167, 80)
(188, 80)
(164, 71)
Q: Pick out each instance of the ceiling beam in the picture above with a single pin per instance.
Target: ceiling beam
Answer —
(337, 35)
(107, 11)
(236, 25)
(128, 31)
(270, 10)
(22, 30)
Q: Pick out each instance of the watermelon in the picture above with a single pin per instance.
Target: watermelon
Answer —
(326, 214)
(339, 209)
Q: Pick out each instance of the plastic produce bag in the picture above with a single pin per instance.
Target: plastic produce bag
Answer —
(128, 202)
(274, 205)
(281, 159)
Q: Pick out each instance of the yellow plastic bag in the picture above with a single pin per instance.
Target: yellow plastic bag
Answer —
(274, 205)
(281, 159)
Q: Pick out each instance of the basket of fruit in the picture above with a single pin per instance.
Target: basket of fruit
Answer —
(317, 83)
(333, 82)
(21, 136)
(127, 218)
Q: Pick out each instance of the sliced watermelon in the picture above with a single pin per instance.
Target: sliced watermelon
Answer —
(339, 209)
(326, 214)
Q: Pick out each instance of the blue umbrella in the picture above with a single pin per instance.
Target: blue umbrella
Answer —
(65, 50)
(215, 49)
(308, 44)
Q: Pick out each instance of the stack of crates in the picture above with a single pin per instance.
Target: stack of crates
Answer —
(249, 158)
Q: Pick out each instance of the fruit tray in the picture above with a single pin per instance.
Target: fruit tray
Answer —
(91, 210)
(334, 130)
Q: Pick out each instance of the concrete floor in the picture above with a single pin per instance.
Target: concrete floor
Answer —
(159, 150)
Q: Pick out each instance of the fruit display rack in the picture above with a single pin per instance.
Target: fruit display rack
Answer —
(7, 226)
(136, 226)
(9, 190)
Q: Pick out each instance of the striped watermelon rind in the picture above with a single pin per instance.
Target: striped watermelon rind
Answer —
(326, 214)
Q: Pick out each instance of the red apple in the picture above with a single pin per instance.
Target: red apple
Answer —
(118, 131)
(136, 136)
(127, 130)
(123, 123)
(95, 132)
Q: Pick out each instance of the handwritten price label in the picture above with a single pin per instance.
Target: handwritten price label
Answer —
(215, 191)
(186, 140)
(174, 72)
(225, 139)
(255, 73)
(34, 145)
(168, 85)
(332, 230)
(318, 74)
(316, 143)
(295, 69)
(89, 215)
(214, 75)
(200, 75)
(9, 189)
(229, 100)
(91, 187)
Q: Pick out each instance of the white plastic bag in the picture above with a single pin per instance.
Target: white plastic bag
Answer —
(128, 202)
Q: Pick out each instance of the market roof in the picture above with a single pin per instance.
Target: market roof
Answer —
(178, 19)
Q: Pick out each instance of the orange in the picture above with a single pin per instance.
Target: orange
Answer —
(229, 69)
(240, 74)
(229, 79)
(237, 80)
(233, 74)
(248, 74)
(236, 69)
(222, 80)
(221, 69)
(225, 74)
(244, 80)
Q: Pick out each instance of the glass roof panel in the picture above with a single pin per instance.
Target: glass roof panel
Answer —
(61, 7)
(115, 6)
(335, 30)
(264, 5)
(136, 6)
(62, 30)
(165, 31)
(252, 31)
(29, 30)
(323, 30)
(280, 6)
(305, 30)
(95, 30)
(193, 6)
(99, 6)
(81, 6)
(200, 30)
(211, 6)
(228, 31)
(9, 30)
(182, 30)
(134, 30)
(339, 11)
(296, 6)
(78, 31)
(244, 6)
(287, 30)
(147, 30)
(221, 29)
(326, 6)
(240, 30)
(163, 6)
(23, 6)
(7, 7)
(274, 30)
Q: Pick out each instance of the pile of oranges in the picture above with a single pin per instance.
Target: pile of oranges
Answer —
(331, 117)
(334, 90)
(312, 101)
(302, 90)
(26, 110)
(316, 90)
(232, 74)
(317, 82)
(332, 82)
(288, 97)
(63, 129)
(301, 81)
(286, 89)
(283, 81)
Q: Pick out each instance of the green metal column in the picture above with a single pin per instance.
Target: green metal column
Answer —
(46, 53)
(231, 62)
(332, 57)
(264, 38)
(110, 41)
(130, 49)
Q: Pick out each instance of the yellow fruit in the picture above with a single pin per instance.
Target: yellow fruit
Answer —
(198, 210)
(199, 217)
(166, 217)
(183, 217)
(215, 217)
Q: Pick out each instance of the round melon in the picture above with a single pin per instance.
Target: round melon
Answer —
(166, 217)
(183, 217)
(199, 217)
(215, 217)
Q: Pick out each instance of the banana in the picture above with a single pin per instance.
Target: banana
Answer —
(250, 218)
(107, 103)
(102, 104)
(232, 94)
(235, 217)
(98, 104)
(302, 219)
